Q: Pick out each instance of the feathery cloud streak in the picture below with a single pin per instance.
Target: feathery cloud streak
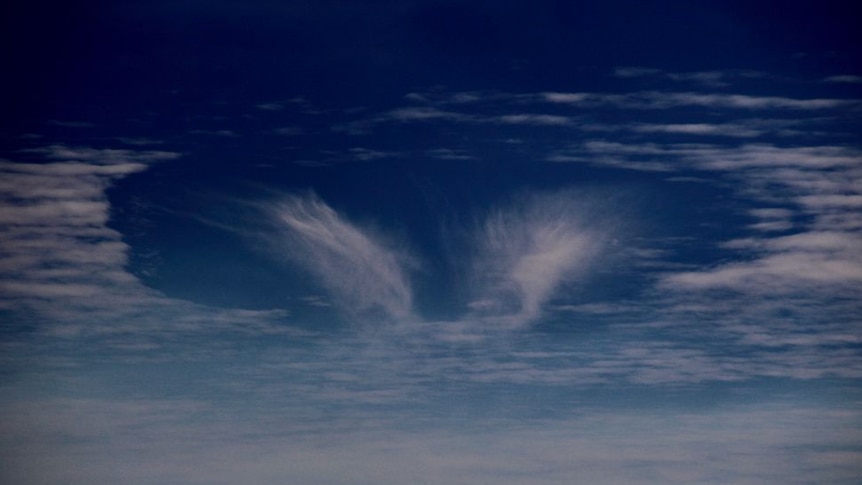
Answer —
(365, 273)
(526, 251)
(529, 109)
(521, 256)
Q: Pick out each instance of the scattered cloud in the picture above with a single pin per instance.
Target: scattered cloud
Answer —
(365, 154)
(705, 78)
(140, 141)
(846, 78)
(531, 108)
(526, 251)
(61, 262)
(667, 100)
(449, 154)
(819, 184)
(364, 272)
(219, 133)
(533, 119)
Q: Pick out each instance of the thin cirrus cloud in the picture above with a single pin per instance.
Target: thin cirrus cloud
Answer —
(816, 184)
(527, 109)
(365, 273)
(521, 255)
(706, 78)
(525, 252)
(58, 249)
(665, 100)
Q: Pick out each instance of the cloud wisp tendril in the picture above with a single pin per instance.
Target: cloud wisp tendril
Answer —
(522, 254)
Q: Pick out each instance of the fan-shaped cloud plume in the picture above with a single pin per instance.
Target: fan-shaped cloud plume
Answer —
(525, 252)
(365, 274)
(520, 256)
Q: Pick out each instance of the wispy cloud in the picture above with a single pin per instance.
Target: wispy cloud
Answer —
(705, 78)
(845, 78)
(526, 251)
(738, 129)
(533, 119)
(521, 255)
(818, 184)
(543, 109)
(365, 273)
(449, 154)
(218, 133)
(61, 262)
(667, 100)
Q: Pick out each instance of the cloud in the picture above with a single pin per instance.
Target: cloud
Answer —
(846, 78)
(410, 114)
(218, 133)
(787, 263)
(706, 78)
(667, 100)
(46, 440)
(54, 220)
(521, 256)
(101, 156)
(686, 156)
(526, 251)
(641, 157)
(533, 119)
(474, 107)
(60, 263)
(448, 154)
(365, 273)
(772, 219)
(817, 184)
(783, 271)
(365, 154)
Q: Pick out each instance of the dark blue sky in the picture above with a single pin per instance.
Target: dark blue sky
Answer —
(431, 242)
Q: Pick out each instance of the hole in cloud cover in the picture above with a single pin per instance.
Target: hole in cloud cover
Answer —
(497, 262)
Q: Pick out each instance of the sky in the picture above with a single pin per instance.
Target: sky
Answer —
(430, 242)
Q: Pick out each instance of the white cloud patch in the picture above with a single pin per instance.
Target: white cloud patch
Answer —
(705, 78)
(365, 273)
(521, 256)
(55, 241)
(816, 184)
(449, 154)
(59, 260)
(667, 100)
(525, 252)
(844, 78)
(534, 119)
